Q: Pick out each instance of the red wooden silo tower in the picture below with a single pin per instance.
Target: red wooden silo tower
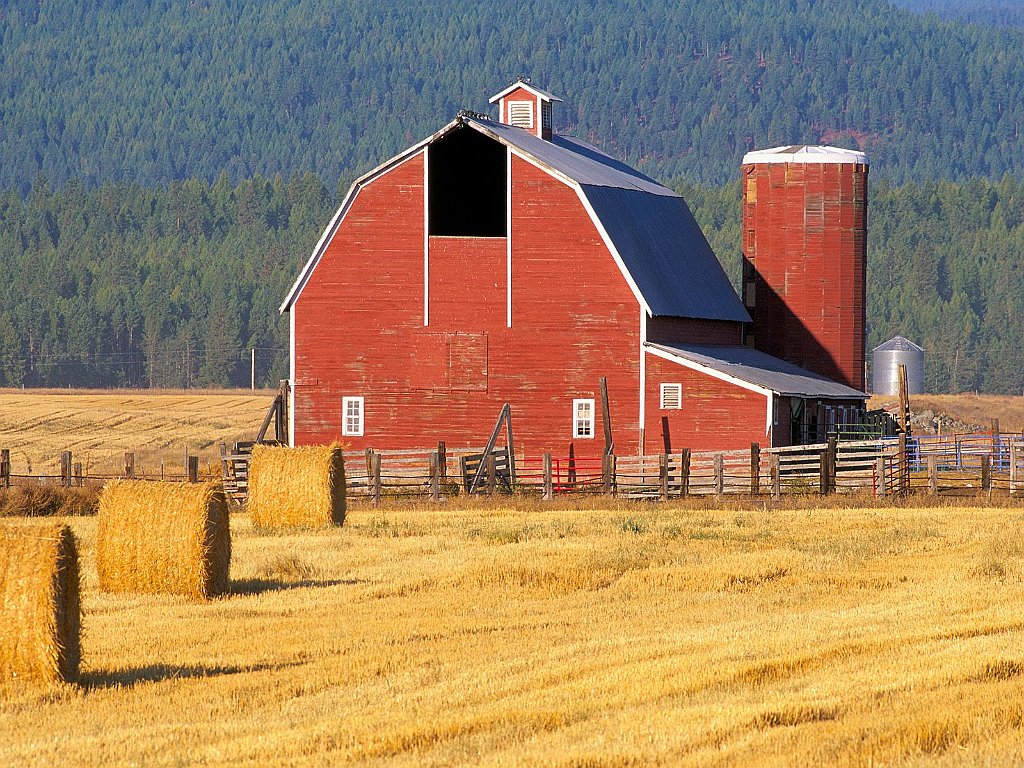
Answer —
(804, 254)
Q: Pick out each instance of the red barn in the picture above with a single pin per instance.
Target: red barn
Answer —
(498, 262)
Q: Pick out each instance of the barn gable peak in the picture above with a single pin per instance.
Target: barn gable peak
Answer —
(526, 106)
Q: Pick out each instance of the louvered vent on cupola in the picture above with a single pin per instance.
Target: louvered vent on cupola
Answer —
(526, 106)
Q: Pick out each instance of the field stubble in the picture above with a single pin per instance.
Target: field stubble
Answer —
(651, 636)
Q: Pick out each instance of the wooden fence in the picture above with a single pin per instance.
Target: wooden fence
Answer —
(883, 467)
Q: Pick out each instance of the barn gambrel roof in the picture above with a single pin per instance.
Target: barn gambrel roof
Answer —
(648, 228)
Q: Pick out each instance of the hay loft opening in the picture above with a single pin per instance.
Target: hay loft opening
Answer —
(466, 178)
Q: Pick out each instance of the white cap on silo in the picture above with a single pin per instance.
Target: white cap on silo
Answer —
(804, 153)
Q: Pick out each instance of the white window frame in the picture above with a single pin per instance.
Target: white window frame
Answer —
(678, 387)
(580, 425)
(360, 403)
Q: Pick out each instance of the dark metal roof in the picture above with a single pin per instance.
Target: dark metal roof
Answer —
(576, 159)
(660, 243)
(762, 370)
(666, 253)
(898, 344)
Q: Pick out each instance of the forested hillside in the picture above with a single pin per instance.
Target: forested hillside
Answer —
(1008, 13)
(170, 287)
(149, 91)
(166, 166)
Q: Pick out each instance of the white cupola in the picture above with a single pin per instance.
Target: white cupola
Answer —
(526, 106)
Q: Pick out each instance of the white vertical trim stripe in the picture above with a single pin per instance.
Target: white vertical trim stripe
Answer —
(291, 375)
(426, 236)
(643, 376)
(508, 233)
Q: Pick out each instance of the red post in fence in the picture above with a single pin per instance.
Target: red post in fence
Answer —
(65, 469)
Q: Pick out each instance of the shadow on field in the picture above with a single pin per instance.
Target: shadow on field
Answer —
(259, 586)
(154, 673)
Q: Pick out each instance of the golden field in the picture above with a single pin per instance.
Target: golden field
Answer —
(967, 407)
(635, 635)
(100, 426)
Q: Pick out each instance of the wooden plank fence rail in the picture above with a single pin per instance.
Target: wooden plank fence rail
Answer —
(954, 466)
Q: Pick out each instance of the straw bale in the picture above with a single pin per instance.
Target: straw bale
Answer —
(163, 538)
(40, 612)
(296, 487)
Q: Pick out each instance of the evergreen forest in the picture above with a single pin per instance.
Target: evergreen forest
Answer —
(167, 166)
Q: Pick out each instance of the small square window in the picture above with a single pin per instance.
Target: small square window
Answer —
(672, 396)
(583, 418)
(352, 416)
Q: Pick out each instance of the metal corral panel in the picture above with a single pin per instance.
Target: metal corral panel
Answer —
(885, 367)
(804, 255)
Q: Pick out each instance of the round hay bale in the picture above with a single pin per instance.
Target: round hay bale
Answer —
(296, 487)
(163, 538)
(40, 611)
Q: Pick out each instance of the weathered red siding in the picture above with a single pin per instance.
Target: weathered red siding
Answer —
(716, 415)
(359, 324)
(804, 245)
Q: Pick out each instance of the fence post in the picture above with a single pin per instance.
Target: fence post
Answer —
(76, 471)
(5, 468)
(442, 463)
(880, 489)
(607, 472)
(833, 461)
(435, 478)
(193, 469)
(776, 477)
(823, 472)
(684, 472)
(719, 474)
(755, 469)
(1013, 469)
(903, 471)
(986, 473)
(491, 473)
(663, 477)
(65, 469)
(375, 481)
(549, 489)
(933, 476)
(129, 465)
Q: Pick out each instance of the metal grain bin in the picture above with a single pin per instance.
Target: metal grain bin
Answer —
(885, 368)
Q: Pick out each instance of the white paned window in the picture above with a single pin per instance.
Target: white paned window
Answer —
(672, 396)
(583, 418)
(521, 113)
(352, 416)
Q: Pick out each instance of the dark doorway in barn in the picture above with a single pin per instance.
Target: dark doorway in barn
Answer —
(467, 178)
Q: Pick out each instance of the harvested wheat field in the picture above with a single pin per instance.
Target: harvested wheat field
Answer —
(99, 427)
(629, 636)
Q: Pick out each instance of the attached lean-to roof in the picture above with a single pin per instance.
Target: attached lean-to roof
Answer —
(649, 228)
(760, 369)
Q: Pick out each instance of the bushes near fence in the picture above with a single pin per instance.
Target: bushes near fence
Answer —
(40, 614)
(296, 487)
(163, 538)
(48, 501)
